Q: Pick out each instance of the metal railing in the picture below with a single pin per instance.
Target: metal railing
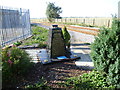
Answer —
(14, 25)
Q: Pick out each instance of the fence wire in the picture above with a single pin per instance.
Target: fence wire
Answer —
(14, 25)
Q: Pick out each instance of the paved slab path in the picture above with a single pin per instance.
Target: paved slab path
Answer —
(83, 50)
(33, 54)
(80, 47)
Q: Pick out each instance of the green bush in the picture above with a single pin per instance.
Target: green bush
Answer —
(105, 53)
(66, 36)
(88, 80)
(15, 63)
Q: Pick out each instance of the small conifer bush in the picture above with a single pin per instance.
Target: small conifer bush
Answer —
(66, 36)
(105, 53)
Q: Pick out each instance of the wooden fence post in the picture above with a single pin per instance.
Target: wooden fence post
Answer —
(108, 23)
(84, 21)
(70, 20)
(76, 20)
(93, 22)
(65, 20)
(61, 19)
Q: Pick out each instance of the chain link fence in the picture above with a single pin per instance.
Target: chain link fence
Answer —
(14, 25)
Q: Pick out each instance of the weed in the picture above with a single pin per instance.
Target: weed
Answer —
(41, 85)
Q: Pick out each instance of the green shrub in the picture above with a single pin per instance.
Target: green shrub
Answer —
(15, 63)
(105, 53)
(66, 36)
(88, 80)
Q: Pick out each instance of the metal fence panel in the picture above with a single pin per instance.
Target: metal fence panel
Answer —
(14, 25)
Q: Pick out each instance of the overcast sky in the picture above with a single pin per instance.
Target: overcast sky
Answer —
(74, 8)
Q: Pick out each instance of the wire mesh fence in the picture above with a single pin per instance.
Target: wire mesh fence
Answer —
(14, 25)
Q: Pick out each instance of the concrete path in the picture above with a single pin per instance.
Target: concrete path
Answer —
(80, 47)
(83, 50)
(33, 54)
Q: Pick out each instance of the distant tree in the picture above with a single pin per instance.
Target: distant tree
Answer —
(53, 12)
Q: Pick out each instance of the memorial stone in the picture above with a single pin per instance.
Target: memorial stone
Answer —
(56, 44)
